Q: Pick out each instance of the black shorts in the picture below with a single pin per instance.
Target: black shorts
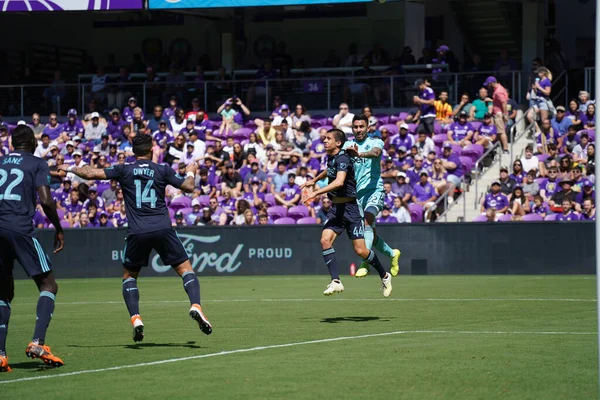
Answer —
(426, 125)
(346, 216)
(24, 248)
(139, 246)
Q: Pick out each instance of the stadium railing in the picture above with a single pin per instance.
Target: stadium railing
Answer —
(589, 77)
(479, 163)
(516, 135)
(444, 198)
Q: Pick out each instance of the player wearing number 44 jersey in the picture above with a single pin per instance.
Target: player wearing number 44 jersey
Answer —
(22, 177)
(149, 225)
(344, 214)
(366, 153)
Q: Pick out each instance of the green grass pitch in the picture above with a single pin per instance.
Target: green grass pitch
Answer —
(452, 337)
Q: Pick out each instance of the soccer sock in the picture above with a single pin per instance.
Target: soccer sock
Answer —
(131, 295)
(374, 262)
(4, 317)
(45, 308)
(191, 286)
(331, 262)
(369, 236)
(383, 247)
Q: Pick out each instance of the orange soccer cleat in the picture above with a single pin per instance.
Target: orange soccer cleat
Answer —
(4, 364)
(198, 316)
(138, 328)
(43, 352)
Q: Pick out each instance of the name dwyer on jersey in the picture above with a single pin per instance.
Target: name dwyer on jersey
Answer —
(143, 171)
(222, 262)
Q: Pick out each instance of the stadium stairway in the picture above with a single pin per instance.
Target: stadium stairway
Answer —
(475, 192)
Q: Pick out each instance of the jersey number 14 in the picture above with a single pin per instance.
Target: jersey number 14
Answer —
(148, 195)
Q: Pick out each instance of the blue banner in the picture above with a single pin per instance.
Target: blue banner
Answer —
(162, 4)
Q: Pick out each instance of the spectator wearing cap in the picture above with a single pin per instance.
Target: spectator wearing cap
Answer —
(95, 129)
(499, 109)
(569, 140)
(588, 212)
(529, 161)
(242, 112)
(530, 186)
(413, 172)
(128, 110)
(567, 213)
(227, 115)
(389, 170)
(156, 118)
(68, 151)
(547, 135)
(43, 150)
(560, 122)
(424, 193)
(487, 133)
(495, 200)
(343, 119)
(73, 127)
(507, 183)
(61, 194)
(461, 132)
(103, 148)
(162, 135)
(77, 162)
(231, 180)
(114, 126)
(93, 198)
(53, 129)
(254, 196)
(401, 188)
(104, 221)
(386, 217)
(284, 115)
(403, 139)
(261, 178)
(290, 192)
(179, 220)
(443, 110)
(481, 106)
(112, 156)
(205, 218)
(451, 162)
(580, 150)
(312, 164)
(426, 114)
(405, 159)
(550, 185)
(586, 191)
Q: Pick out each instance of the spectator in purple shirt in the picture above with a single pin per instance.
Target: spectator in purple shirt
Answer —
(487, 133)
(495, 200)
(426, 112)
(119, 217)
(539, 207)
(587, 192)
(588, 120)
(72, 206)
(53, 129)
(413, 172)
(545, 136)
(114, 126)
(550, 185)
(386, 217)
(290, 192)
(73, 127)
(398, 189)
(403, 139)
(128, 111)
(103, 221)
(461, 132)
(589, 210)
(567, 212)
(162, 135)
(451, 162)
(170, 111)
(424, 193)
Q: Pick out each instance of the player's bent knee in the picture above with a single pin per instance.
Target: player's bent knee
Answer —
(326, 243)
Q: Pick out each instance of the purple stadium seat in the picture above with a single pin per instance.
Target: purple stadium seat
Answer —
(505, 218)
(456, 149)
(480, 218)
(532, 217)
(298, 212)
(251, 125)
(242, 133)
(402, 116)
(61, 213)
(393, 119)
(476, 125)
(551, 217)
(416, 212)
(467, 163)
(542, 157)
(540, 181)
(473, 151)
(204, 200)
(307, 221)
(327, 127)
(437, 128)
(285, 221)
(392, 128)
(320, 119)
(180, 202)
(270, 199)
(186, 211)
(102, 187)
(591, 134)
(223, 135)
(171, 212)
(65, 224)
(412, 128)
(439, 139)
(383, 118)
(244, 142)
(276, 212)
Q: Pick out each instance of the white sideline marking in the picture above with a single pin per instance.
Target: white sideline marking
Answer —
(328, 299)
(278, 346)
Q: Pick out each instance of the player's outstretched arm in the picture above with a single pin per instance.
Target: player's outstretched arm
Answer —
(50, 210)
(336, 184)
(85, 172)
(375, 152)
(189, 184)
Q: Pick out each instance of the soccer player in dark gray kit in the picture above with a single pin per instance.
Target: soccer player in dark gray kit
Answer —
(344, 214)
(149, 225)
(22, 177)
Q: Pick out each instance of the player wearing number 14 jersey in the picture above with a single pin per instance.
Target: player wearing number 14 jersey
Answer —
(149, 225)
(366, 153)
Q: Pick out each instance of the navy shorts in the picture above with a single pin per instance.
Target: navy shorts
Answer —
(165, 242)
(348, 217)
(24, 248)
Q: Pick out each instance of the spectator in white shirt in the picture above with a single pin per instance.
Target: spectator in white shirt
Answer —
(425, 144)
(95, 130)
(580, 150)
(400, 211)
(343, 119)
(529, 161)
(43, 149)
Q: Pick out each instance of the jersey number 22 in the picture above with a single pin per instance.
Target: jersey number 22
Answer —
(7, 194)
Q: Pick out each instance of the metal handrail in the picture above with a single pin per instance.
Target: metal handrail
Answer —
(445, 195)
(513, 128)
(478, 162)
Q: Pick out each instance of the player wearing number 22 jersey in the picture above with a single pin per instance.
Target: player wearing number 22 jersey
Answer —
(149, 226)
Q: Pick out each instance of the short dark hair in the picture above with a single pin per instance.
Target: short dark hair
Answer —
(142, 145)
(361, 117)
(45, 135)
(338, 135)
(23, 137)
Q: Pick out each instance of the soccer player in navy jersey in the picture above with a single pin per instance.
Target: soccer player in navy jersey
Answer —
(345, 212)
(22, 177)
(149, 225)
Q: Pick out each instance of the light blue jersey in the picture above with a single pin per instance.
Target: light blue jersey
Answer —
(367, 170)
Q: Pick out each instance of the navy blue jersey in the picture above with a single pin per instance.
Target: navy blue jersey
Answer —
(21, 173)
(341, 162)
(143, 183)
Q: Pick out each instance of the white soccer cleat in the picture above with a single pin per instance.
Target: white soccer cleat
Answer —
(334, 287)
(138, 328)
(386, 285)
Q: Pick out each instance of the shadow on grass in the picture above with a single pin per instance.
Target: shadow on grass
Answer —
(335, 320)
(35, 366)
(141, 346)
